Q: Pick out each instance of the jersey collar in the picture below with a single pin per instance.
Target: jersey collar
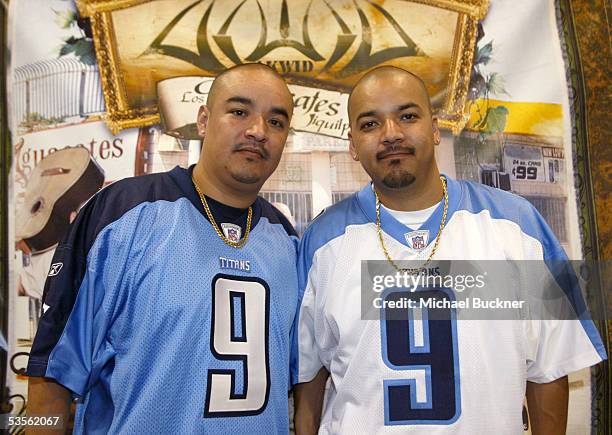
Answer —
(183, 176)
(397, 230)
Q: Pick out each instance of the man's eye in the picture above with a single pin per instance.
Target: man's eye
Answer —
(367, 125)
(409, 116)
(276, 123)
(238, 112)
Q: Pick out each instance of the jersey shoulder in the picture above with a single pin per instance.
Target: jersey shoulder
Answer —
(111, 203)
(126, 193)
(275, 216)
(476, 197)
(502, 205)
(332, 223)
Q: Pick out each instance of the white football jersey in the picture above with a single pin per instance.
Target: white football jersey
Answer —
(442, 377)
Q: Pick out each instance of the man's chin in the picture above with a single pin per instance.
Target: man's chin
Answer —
(247, 178)
(398, 180)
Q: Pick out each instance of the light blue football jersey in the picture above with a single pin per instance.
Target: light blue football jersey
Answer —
(159, 326)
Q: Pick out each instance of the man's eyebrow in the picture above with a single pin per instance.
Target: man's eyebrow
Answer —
(398, 109)
(408, 106)
(280, 111)
(248, 102)
(242, 100)
(366, 114)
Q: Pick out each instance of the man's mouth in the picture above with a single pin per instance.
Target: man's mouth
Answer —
(395, 153)
(253, 152)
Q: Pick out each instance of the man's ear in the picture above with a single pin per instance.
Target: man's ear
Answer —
(352, 148)
(436, 130)
(202, 120)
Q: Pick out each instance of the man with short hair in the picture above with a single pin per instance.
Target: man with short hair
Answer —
(173, 296)
(416, 374)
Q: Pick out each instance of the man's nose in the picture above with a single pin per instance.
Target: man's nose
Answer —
(258, 129)
(392, 132)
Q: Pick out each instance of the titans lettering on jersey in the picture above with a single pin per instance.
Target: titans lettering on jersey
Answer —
(415, 375)
(155, 332)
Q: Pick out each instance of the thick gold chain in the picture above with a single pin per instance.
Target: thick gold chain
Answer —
(435, 247)
(238, 244)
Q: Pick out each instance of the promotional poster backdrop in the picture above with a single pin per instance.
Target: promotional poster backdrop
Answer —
(124, 84)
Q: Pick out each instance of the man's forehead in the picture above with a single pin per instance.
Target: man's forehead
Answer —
(388, 90)
(393, 98)
(241, 81)
(258, 86)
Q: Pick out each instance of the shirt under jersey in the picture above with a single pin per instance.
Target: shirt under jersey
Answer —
(412, 219)
(225, 214)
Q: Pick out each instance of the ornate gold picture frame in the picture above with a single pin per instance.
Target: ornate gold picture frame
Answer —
(321, 44)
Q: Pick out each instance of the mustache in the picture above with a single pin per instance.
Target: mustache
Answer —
(263, 153)
(394, 150)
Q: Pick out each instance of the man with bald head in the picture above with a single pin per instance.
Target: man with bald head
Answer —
(408, 368)
(171, 300)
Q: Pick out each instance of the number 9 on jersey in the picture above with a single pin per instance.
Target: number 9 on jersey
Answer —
(240, 322)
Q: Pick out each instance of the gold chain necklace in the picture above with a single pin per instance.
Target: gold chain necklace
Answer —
(435, 247)
(238, 244)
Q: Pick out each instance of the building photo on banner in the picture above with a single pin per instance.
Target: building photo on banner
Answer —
(100, 91)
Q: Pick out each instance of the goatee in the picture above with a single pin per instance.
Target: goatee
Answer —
(398, 179)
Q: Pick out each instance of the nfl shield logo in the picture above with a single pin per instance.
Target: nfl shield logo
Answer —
(417, 240)
(232, 232)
